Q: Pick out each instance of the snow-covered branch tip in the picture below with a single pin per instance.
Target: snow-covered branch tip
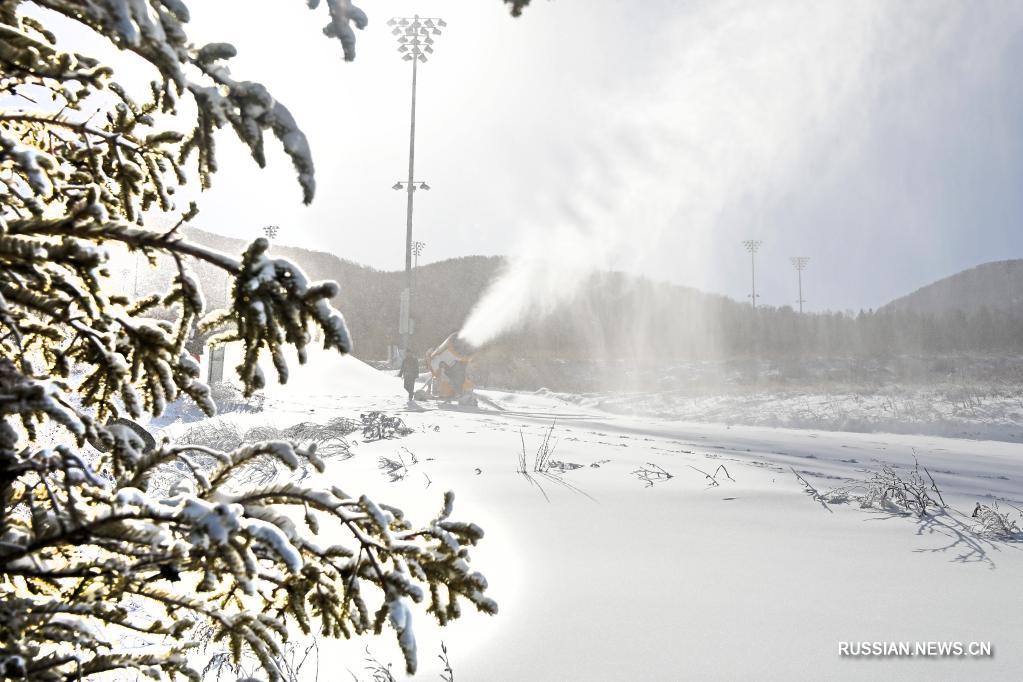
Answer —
(125, 164)
(273, 304)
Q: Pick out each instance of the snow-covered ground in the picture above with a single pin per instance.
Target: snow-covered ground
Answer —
(612, 570)
(953, 411)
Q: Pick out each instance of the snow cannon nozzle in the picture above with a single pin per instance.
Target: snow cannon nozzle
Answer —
(461, 346)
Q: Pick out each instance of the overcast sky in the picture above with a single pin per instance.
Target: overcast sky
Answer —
(881, 139)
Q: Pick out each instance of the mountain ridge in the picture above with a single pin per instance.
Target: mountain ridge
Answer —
(997, 285)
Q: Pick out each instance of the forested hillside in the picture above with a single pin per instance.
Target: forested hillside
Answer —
(626, 317)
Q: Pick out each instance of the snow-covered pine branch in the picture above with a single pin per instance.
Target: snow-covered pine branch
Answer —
(204, 549)
(105, 535)
(125, 163)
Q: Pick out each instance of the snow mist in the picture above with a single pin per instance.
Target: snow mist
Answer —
(746, 104)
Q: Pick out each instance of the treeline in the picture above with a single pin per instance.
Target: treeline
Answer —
(623, 317)
(781, 332)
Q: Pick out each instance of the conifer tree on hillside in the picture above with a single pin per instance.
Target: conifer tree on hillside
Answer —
(107, 542)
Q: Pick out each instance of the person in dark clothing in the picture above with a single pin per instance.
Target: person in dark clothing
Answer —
(456, 375)
(410, 372)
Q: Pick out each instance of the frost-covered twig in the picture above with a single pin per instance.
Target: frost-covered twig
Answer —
(812, 491)
(397, 469)
(934, 488)
(713, 479)
(652, 473)
(447, 675)
(542, 460)
(543, 466)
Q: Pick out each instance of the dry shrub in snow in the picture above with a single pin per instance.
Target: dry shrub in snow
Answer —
(544, 467)
(228, 398)
(712, 479)
(223, 434)
(397, 469)
(993, 522)
(300, 662)
(378, 426)
(114, 558)
(903, 492)
(886, 489)
(544, 451)
(915, 492)
(381, 672)
(653, 473)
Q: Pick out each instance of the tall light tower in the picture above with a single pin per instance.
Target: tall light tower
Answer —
(417, 250)
(799, 263)
(753, 245)
(415, 41)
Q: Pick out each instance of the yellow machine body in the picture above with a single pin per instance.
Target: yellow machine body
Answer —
(449, 365)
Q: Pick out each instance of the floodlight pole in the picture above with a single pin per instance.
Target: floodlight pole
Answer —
(406, 310)
(410, 186)
(752, 245)
(414, 41)
(799, 275)
(799, 263)
(417, 250)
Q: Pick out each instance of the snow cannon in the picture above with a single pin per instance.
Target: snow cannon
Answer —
(449, 365)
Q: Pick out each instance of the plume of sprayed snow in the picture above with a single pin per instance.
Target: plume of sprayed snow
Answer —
(753, 101)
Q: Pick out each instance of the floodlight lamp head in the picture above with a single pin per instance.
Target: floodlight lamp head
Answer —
(423, 185)
(442, 23)
(396, 185)
(392, 21)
